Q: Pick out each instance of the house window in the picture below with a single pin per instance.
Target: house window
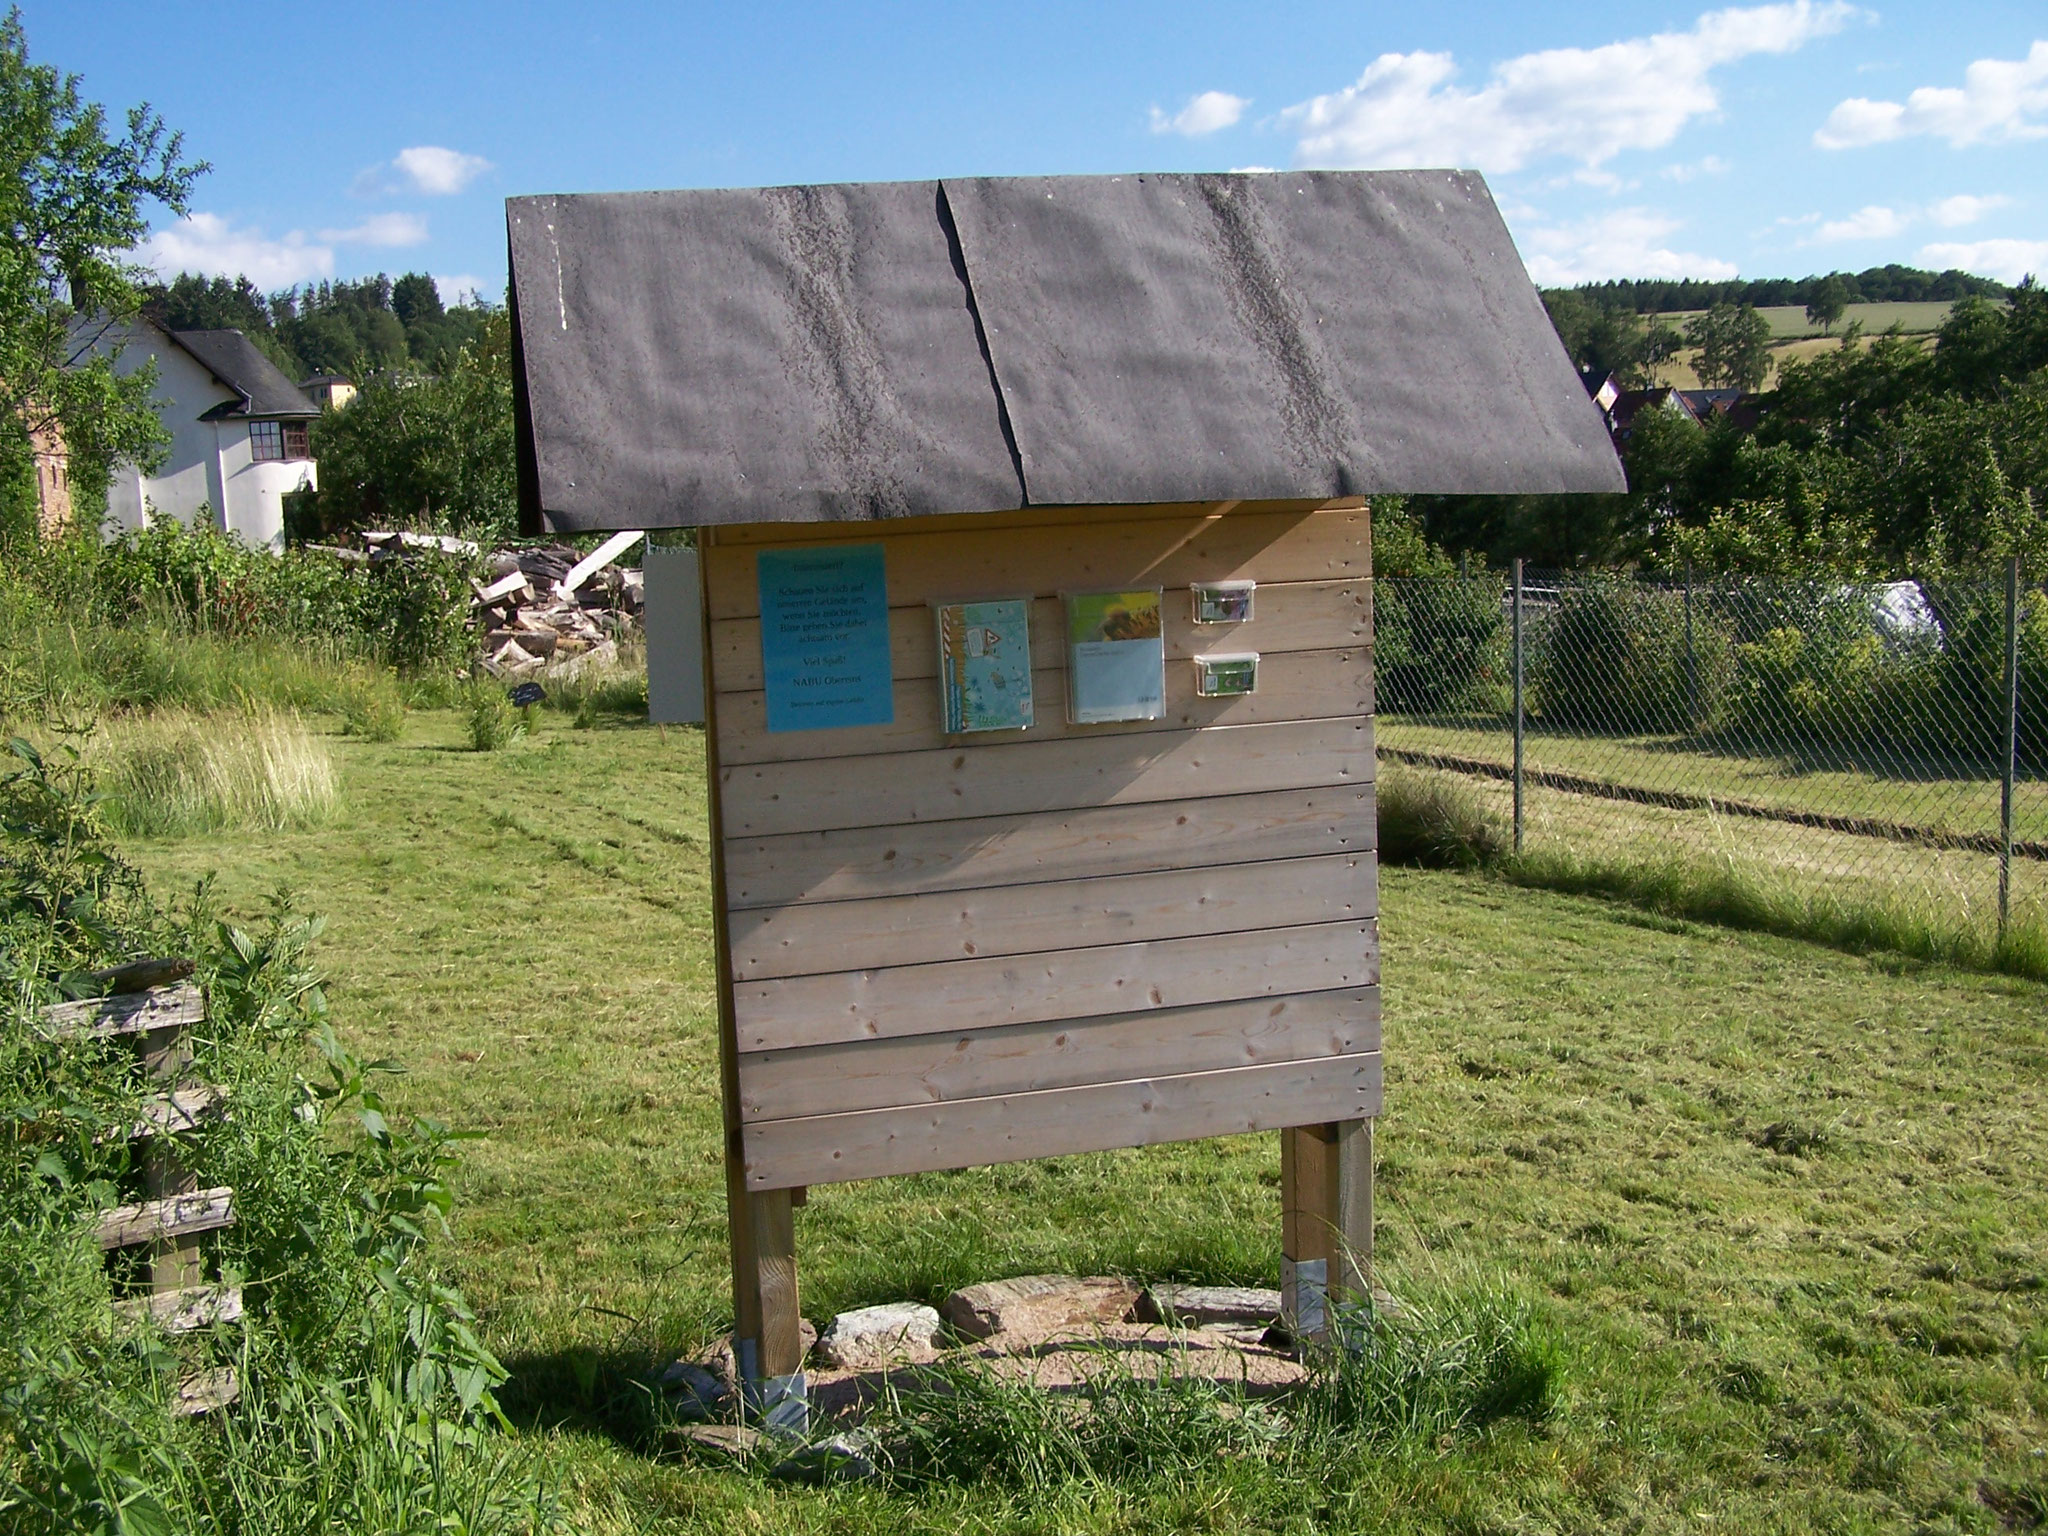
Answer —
(278, 440)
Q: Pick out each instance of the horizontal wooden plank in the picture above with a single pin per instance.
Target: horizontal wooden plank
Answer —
(1016, 778)
(857, 862)
(1067, 1053)
(1125, 552)
(1045, 516)
(1073, 983)
(206, 1391)
(968, 1133)
(187, 1309)
(131, 1013)
(1290, 616)
(203, 1210)
(1293, 685)
(176, 1112)
(814, 937)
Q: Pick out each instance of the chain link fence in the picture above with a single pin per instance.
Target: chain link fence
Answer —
(1882, 742)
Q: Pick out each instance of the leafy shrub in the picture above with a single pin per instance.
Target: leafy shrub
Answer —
(1614, 656)
(1440, 645)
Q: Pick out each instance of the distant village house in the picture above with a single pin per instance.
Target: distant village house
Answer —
(239, 430)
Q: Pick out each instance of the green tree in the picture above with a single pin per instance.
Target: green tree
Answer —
(427, 451)
(1829, 302)
(74, 201)
(1734, 343)
(1606, 340)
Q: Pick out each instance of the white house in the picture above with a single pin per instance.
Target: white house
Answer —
(238, 430)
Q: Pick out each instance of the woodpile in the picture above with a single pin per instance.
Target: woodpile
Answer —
(550, 607)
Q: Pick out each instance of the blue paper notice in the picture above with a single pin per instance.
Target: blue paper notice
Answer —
(825, 637)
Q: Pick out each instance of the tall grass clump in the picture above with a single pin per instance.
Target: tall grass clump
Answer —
(171, 774)
(367, 1398)
(372, 705)
(1434, 1364)
(1435, 820)
(493, 721)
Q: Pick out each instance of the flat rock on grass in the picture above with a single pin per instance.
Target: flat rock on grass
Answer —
(1195, 1306)
(875, 1338)
(739, 1441)
(1035, 1305)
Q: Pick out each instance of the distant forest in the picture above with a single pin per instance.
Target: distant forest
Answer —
(1878, 285)
(368, 326)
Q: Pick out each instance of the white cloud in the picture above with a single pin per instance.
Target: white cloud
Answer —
(1999, 100)
(208, 244)
(1205, 113)
(1586, 104)
(2006, 260)
(381, 229)
(1871, 223)
(1953, 212)
(1628, 242)
(461, 287)
(439, 172)
(1709, 165)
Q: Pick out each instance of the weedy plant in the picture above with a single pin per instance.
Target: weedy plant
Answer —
(493, 719)
(372, 706)
(367, 1396)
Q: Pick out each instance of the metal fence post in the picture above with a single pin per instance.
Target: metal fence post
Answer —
(1517, 626)
(1692, 666)
(2012, 741)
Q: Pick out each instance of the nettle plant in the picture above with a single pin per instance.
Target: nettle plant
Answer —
(351, 1348)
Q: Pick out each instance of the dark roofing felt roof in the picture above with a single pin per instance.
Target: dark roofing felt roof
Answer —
(890, 349)
(232, 358)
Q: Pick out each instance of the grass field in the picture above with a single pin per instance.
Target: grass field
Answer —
(1794, 339)
(1787, 1209)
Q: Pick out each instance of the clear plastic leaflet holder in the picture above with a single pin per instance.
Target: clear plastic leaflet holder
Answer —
(1116, 656)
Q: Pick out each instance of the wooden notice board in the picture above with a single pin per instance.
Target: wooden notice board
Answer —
(944, 951)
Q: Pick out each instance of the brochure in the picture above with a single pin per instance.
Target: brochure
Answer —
(985, 665)
(1116, 657)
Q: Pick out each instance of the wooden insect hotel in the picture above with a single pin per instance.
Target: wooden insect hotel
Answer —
(1036, 620)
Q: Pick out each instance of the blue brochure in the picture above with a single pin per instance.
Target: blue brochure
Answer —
(825, 637)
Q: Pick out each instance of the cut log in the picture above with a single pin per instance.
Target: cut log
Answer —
(203, 1210)
(503, 587)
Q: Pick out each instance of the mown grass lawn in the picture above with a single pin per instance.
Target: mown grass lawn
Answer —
(1787, 1208)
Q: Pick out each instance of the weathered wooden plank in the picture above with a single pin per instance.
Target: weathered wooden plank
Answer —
(131, 1013)
(1291, 616)
(1125, 552)
(187, 1309)
(878, 1142)
(952, 783)
(1064, 1053)
(816, 937)
(1069, 984)
(207, 1391)
(201, 1210)
(178, 1111)
(1024, 517)
(1293, 685)
(857, 862)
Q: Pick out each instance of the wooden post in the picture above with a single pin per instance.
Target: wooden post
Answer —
(175, 1263)
(767, 1337)
(1325, 1220)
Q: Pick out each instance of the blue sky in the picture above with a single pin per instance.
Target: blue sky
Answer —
(1642, 140)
